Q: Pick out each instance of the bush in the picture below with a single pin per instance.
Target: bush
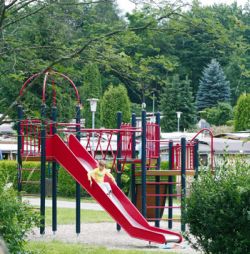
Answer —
(242, 113)
(114, 99)
(17, 219)
(66, 184)
(218, 210)
(218, 115)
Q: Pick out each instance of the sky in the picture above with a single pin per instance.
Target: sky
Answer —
(127, 6)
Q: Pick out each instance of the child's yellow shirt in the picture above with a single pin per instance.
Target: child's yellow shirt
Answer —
(99, 175)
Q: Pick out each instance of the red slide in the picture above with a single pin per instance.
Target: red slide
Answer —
(77, 161)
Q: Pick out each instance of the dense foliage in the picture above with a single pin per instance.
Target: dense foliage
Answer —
(91, 88)
(140, 51)
(115, 99)
(66, 184)
(17, 219)
(177, 96)
(242, 113)
(218, 115)
(217, 210)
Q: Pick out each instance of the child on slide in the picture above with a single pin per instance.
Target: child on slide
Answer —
(98, 175)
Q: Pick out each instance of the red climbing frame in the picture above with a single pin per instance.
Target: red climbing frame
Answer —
(176, 156)
(30, 131)
(153, 141)
(101, 143)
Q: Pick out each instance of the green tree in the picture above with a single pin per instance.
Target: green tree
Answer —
(177, 96)
(238, 73)
(218, 115)
(187, 106)
(115, 99)
(91, 88)
(242, 113)
(213, 88)
(169, 104)
(140, 51)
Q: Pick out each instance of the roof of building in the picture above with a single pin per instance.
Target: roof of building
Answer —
(239, 145)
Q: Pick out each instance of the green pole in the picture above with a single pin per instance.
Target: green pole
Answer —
(196, 157)
(43, 169)
(183, 181)
(133, 184)
(78, 187)
(119, 154)
(157, 178)
(170, 185)
(19, 146)
(54, 177)
(143, 164)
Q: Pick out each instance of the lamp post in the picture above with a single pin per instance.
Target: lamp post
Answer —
(153, 103)
(93, 105)
(178, 120)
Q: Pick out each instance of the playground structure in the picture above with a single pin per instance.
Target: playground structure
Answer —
(41, 139)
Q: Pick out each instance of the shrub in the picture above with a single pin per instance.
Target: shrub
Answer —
(218, 115)
(115, 99)
(17, 219)
(218, 210)
(242, 113)
(66, 184)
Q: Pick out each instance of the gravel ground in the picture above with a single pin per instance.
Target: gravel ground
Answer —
(105, 234)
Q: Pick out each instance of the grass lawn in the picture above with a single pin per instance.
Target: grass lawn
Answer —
(67, 216)
(84, 199)
(56, 247)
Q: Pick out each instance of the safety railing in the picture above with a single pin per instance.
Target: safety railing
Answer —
(30, 131)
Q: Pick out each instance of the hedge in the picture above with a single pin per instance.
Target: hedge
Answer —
(66, 184)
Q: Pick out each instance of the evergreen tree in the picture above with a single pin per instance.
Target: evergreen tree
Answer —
(187, 105)
(115, 99)
(177, 96)
(92, 88)
(169, 103)
(242, 113)
(213, 87)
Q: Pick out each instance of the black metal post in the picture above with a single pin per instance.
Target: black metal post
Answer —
(143, 164)
(196, 157)
(19, 146)
(157, 178)
(78, 187)
(183, 181)
(54, 177)
(119, 154)
(170, 185)
(133, 183)
(43, 169)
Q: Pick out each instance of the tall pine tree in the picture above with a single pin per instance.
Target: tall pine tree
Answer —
(213, 87)
(187, 105)
(177, 96)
